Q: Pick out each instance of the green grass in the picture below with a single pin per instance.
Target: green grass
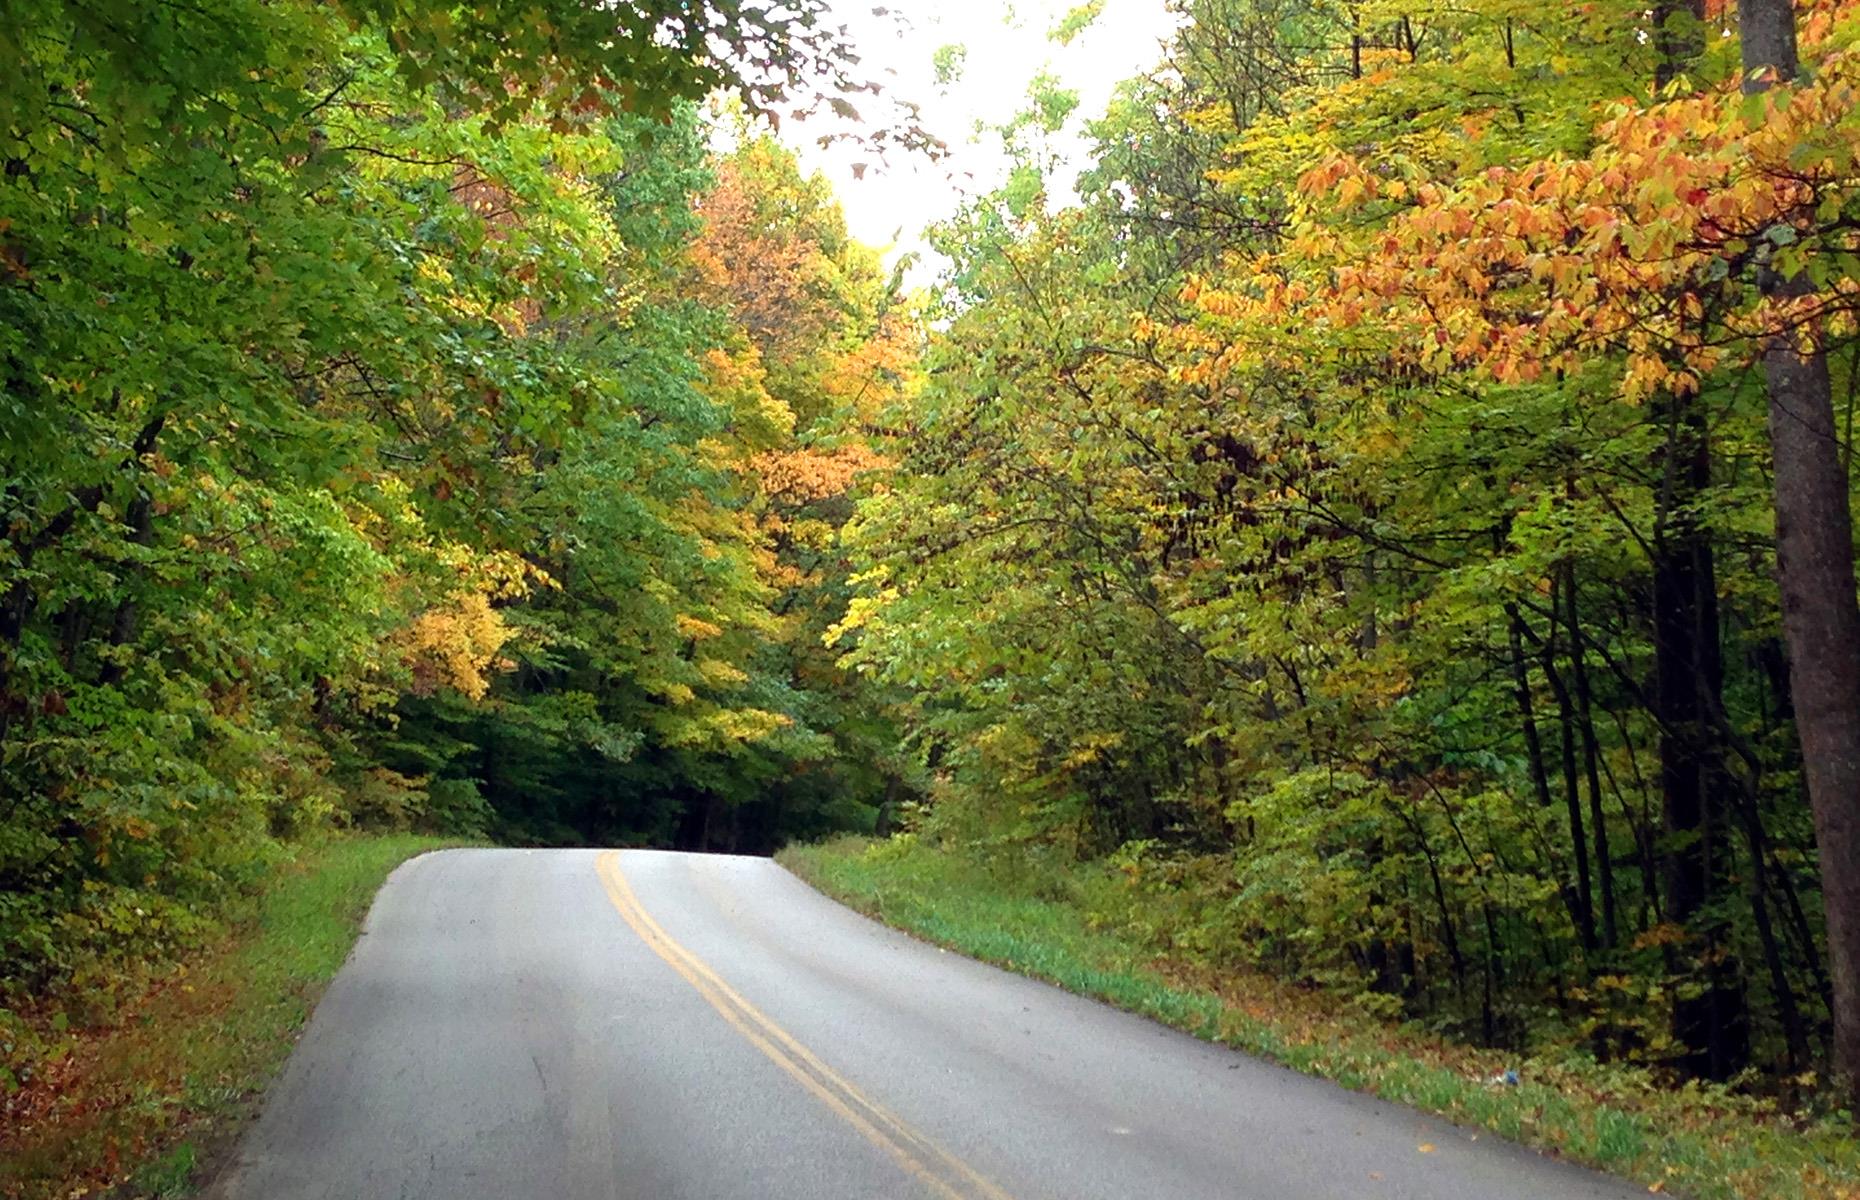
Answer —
(1698, 1142)
(141, 1103)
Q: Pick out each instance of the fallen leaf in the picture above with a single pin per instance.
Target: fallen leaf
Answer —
(1427, 1147)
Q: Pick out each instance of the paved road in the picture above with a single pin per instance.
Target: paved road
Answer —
(567, 1024)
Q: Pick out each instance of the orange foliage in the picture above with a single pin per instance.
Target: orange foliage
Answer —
(864, 380)
(776, 283)
(806, 475)
(1640, 245)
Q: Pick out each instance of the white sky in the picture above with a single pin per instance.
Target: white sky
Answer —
(1008, 45)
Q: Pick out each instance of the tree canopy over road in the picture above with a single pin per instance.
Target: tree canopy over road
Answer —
(1396, 516)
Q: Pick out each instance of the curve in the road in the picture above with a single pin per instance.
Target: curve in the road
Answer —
(877, 1124)
(640, 1025)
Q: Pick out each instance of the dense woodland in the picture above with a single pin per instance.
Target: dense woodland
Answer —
(409, 421)
(1357, 517)
(1395, 510)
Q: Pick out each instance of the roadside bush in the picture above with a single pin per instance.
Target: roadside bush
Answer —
(456, 808)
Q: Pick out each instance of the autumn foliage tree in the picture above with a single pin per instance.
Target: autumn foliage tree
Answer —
(1355, 517)
(371, 443)
(1395, 516)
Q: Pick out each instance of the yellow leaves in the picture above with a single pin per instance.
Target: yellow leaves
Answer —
(695, 628)
(433, 269)
(876, 372)
(1091, 748)
(811, 533)
(500, 574)
(456, 642)
(508, 576)
(718, 453)
(1320, 179)
(788, 575)
(1664, 934)
(456, 646)
(1219, 303)
(720, 674)
(737, 381)
(1521, 271)
(748, 724)
(1213, 118)
(860, 612)
(1649, 372)
(715, 727)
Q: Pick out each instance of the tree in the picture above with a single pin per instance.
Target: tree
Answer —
(355, 380)
(1351, 517)
(1815, 568)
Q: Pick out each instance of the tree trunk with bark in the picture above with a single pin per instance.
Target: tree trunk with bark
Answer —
(1815, 572)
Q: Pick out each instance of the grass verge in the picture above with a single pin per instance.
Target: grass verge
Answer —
(137, 1105)
(1692, 1141)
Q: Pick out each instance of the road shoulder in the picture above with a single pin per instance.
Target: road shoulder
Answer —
(144, 1101)
(1694, 1143)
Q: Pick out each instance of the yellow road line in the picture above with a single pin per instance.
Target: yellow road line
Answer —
(916, 1154)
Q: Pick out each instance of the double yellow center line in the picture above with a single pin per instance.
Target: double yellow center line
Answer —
(939, 1170)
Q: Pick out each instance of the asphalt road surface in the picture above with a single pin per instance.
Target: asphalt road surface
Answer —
(573, 1024)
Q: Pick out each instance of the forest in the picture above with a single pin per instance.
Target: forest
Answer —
(1391, 513)
(1400, 517)
(404, 426)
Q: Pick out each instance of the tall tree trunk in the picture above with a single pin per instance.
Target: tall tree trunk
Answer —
(1788, 1013)
(1521, 688)
(1534, 751)
(1572, 801)
(123, 624)
(1591, 751)
(1710, 1023)
(886, 822)
(1815, 571)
